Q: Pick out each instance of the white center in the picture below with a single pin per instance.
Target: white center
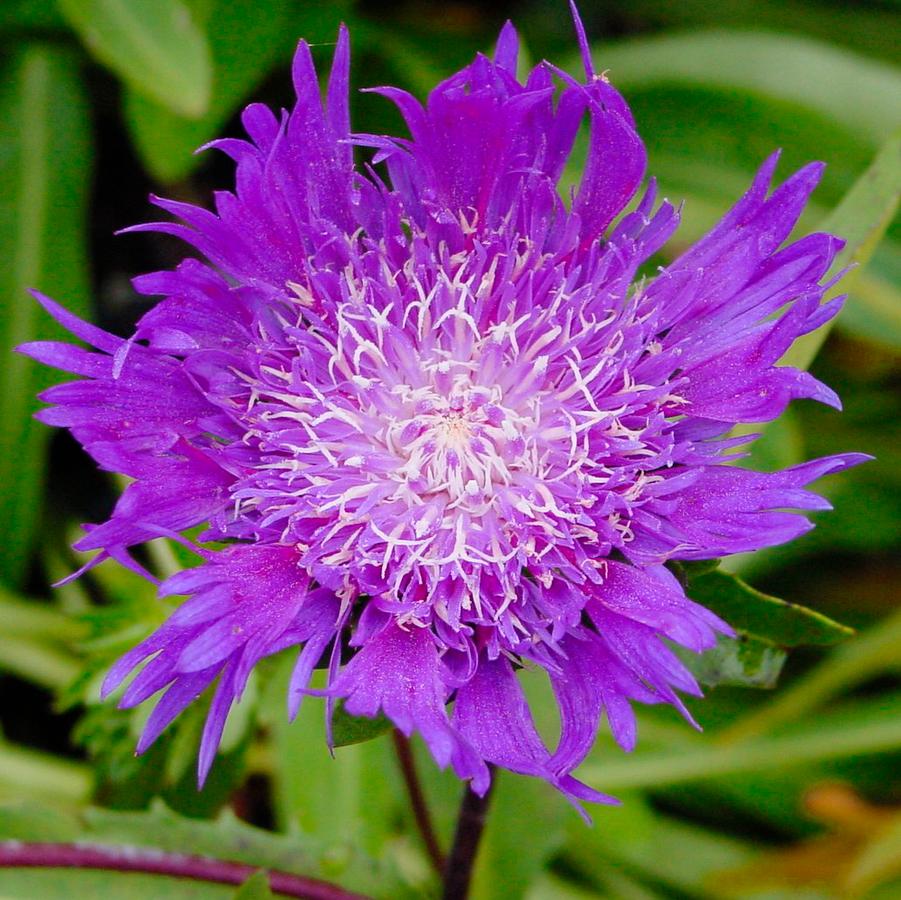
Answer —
(461, 446)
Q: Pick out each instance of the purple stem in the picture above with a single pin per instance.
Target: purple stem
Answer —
(470, 824)
(16, 854)
(418, 802)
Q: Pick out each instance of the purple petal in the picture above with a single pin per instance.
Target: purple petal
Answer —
(398, 672)
(491, 712)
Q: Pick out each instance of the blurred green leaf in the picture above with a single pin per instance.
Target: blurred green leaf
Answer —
(30, 774)
(873, 311)
(851, 89)
(879, 861)
(765, 627)
(45, 162)
(867, 26)
(29, 14)
(515, 847)
(21, 616)
(642, 848)
(548, 886)
(155, 47)
(858, 728)
(861, 219)
(158, 829)
(743, 661)
(781, 445)
(351, 801)
(753, 612)
(255, 888)
(36, 642)
(245, 44)
(64, 884)
(38, 662)
(872, 653)
(26, 821)
(225, 838)
(412, 62)
(348, 729)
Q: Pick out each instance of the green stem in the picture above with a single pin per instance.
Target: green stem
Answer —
(165, 562)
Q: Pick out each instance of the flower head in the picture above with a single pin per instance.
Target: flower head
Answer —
(442, 427)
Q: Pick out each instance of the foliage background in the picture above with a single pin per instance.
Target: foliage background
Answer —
(786, 794)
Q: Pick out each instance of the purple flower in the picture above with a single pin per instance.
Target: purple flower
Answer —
(443, 428)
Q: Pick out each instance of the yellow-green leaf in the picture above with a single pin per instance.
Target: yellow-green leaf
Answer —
(154, 46)
(861, 219)
(45, 161)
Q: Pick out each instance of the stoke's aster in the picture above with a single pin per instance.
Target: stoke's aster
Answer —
(441, 426)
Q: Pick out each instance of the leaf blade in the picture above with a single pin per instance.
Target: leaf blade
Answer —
(244, 46)
(812, 73)
(44, 175)
(879, 189)
(776, 621)
(156, 48)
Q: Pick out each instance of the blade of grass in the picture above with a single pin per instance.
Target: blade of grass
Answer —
(869, 728)
(45, 161)
(862, 218)
(29, 774)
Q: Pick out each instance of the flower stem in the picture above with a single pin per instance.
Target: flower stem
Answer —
(418, 802)
(470, 824)
(16, 854)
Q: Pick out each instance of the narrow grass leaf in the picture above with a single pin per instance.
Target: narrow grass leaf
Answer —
(45, 171)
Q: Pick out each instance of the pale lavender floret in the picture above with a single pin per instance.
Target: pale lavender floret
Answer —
(444, 427)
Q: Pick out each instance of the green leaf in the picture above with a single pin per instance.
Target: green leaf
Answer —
(29, 14)
(515, 848)
(743, 661)
(872, 653)
(245, 45)
(27, 773)
(776, 621)
(548, 886)
(225, 838)
(154, 47)
(873, 310)
(348, 729)
(689, 569)
(663, 855)
(36, 641)
(780, 446)
(33, 822)
(862, 219)
(858, 728)
(64, 884)
(255, 888)
(45, 163)
(879, 860)
(351, 801)
(765, 626)
(26, 617)
(158, 829)
(871, 29)
(38, 662)
(811, 73)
